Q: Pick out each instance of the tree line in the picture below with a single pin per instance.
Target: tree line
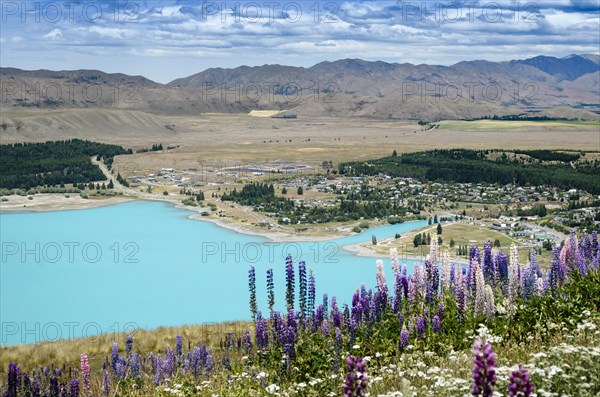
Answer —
(472, 166)
(53, 163)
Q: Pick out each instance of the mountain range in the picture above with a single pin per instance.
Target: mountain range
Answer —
(566, 87)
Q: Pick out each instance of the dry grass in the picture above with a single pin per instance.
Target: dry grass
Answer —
(98, 348)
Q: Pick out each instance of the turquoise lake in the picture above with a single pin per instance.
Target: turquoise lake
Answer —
(144, 264)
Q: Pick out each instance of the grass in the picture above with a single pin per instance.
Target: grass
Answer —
(98, 347)
(496, 125)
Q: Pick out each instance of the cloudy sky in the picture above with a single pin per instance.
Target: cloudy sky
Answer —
(164, 40)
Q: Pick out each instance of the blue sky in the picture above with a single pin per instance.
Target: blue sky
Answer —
(164, 40)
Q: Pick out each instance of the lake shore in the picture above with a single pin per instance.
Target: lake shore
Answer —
(45, 202)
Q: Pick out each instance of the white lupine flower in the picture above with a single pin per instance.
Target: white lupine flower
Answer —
(394, 260)
(479, 307)
(490, 309)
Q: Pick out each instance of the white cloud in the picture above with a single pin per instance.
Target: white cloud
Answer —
(112, 33)
(54, 34)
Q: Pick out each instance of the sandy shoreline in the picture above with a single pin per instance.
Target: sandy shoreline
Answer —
(45, 202)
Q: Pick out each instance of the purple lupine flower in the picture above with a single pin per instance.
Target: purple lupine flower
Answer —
(338, 349)
(398, 292)
(404, 281)
(556, 272)
(484, 369)
(472, 276)
(346, 315)
(355, 298)
(534, 265)
(27, 385)
(520, 384)
(64, 389)
(580, 261)
(586, 247)
(289, 343)
(460, 294)
(502, 261)
(135, 365)
(355, 384)
(247, 342)
(170, 362)
(571, 248)
(441, 310)
(352, 326)
(302, 287)
(474, 254)
(14, 380)
(270, 289)
(276, 325)
(209, 364)
(429, 293)
(105, 383)
(336, 315)
(54, 387)
(36, 386)
(403, 338)
(325, 328)
(179, 347)
(529, 283)
(85, 375)
(375, 305)
(197, 358)
(365, 304)
(420, 327)
(226, 362)
(325, 305)
(452, 275)
(486, 265)
(252, 289)
(338, 338)
(74, 388)
(120, 369)
(319, 315)
(290, 283)
(114, 356)
(262, 333)
(291, 320)
(159, 374)
(436, 324)
(128, 344)
(312, 292)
